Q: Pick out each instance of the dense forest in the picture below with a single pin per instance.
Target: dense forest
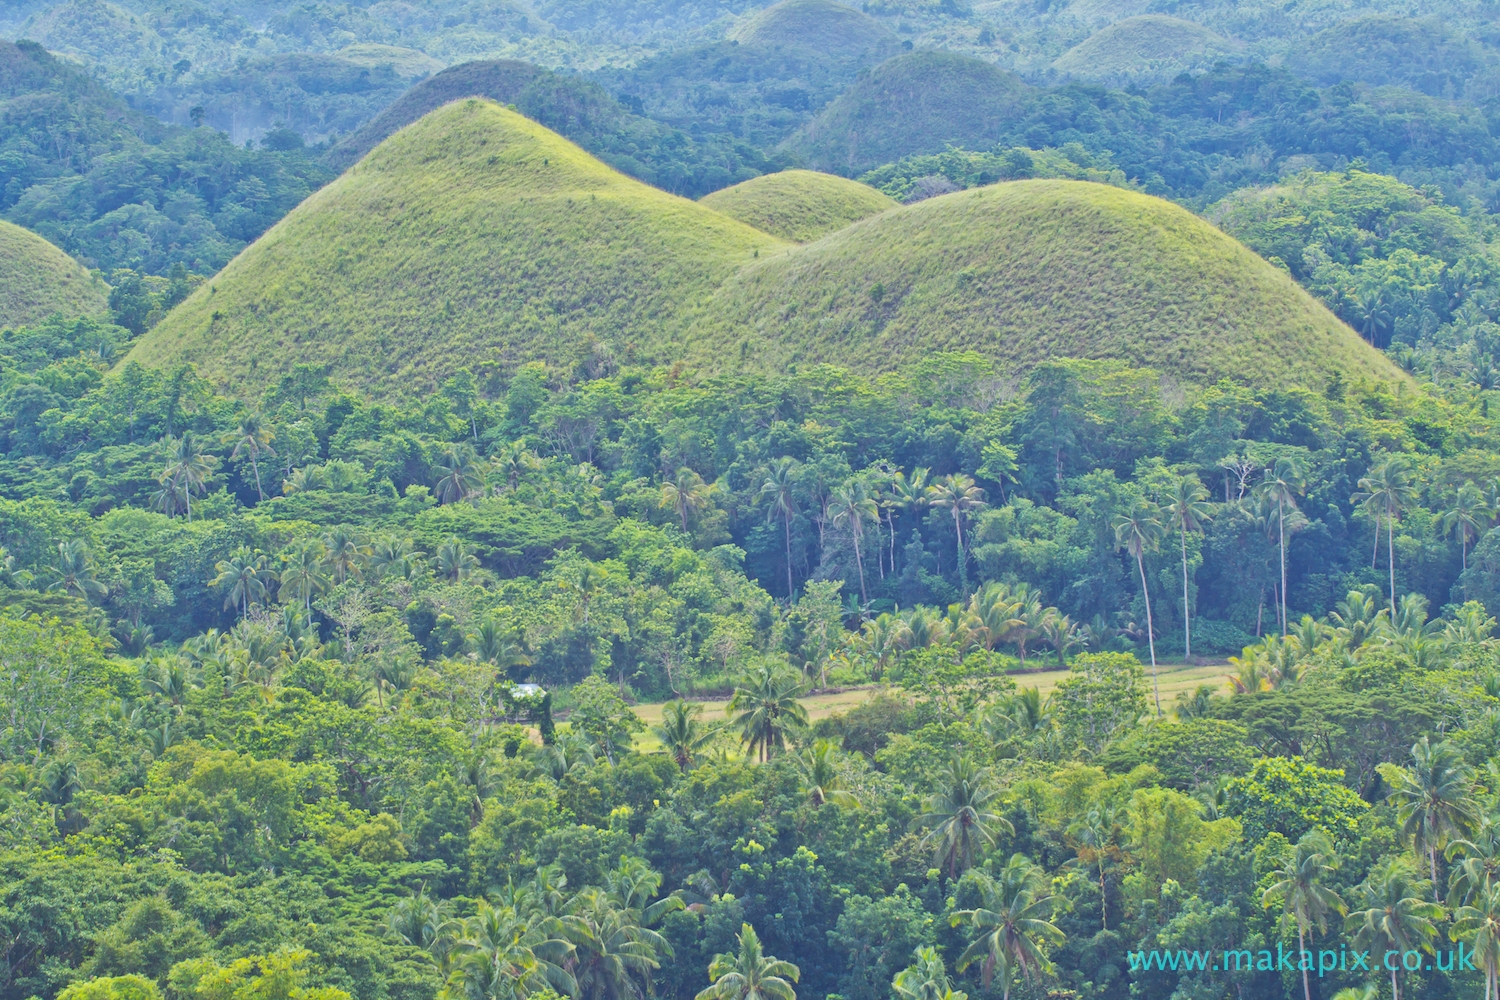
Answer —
(1057, 677)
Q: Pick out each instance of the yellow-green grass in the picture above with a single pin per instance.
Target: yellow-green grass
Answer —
(819, 706)
(821, 25)
(37, 279)
(473, 233)
(1029, 270)
(1151, 43)
(408, 63)
(920, 102)
(799, 205)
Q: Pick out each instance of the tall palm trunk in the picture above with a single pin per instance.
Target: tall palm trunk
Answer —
(1302, 947)
(1140, 564)
(963, 570)
(1281, 530)
(1187, 625)
(1390, 555)
(859, 562)
(787, 524)
(256, 466)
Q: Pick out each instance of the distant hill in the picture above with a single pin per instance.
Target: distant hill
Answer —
(920, 102)
(409, 64)
(1140, 49)
(86, 28)
(798, 205)
(1028, 270)
(500, 80)
(37, 279)
(473, 233)
(1421, 54)
(821, 25)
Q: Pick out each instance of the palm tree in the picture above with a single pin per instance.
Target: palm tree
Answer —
(242, 577)
(460, 473)
(687, 492)
(1011, 930)
(513, 461)
(1189, 509)
(778, 491)
(614, 955)
(454, 560)
(852, 506)
(1282, 482)
(1139, 531)
(74, 571)
(906, 493)
(1304, 898)
(768, 707)
(957, 817)
(1384, 493)
(1480, 920)
(1062, 634)
(426, 923)
(925, 979)
(505, 955)
(1355, 620)
(305, 574)
(1094, 833)
(750, 975)
(1393, 918)
(1433, 800)
(503, 648)
(681, 734)
(252, 437)
(958, 495)
(821, 781)
(346, 554)
(186, 472)
(1466, 517)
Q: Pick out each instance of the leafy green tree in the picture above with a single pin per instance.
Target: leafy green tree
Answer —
(1139, 531)
(1103, 695)
(751, 974)
(681, 733)
(1384, 493)
(766, 709)
(1010, 930)
(603, 718)
(1189, 509)
(1287, 795)
(958, 818)
(1304, 898)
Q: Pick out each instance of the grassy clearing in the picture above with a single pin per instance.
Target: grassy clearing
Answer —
(473, 233)
(915, 103)
(799, 205)
(820, 25)
(1029, 270)
(37, 279)
(1174, 678)
(1152, 44)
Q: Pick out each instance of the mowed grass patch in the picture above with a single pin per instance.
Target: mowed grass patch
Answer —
(799, 205)
(1030, 270)
(471, 234)
(37, 279)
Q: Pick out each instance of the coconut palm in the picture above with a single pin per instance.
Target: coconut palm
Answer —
(243, 578)
(508, 955)
(426, 923)
(503, 648)
(1010, 927)
(925, 979)
(906, 493)
(958, 495)
(681, 733)
(751, 974)
(778, 491)
(1094, 834)
(1281, 485)
(957, 815)
(614, 956)
(1478, 867)
(1355, 619)
(252, 437)
(685, 493)
(346, 554)
(74, 571)
(1384, 493)
(1466, 518)
(818, 767)
(305, 574)
(460, 473)
(513, 461)
(852, 507)
(1479, 921)
(1139, 531)
(1062, 634)
(1393, 917)
(1304, 898)
(1434, 801)
(186, 472)
(454, 560)
(1188, 508)
(768, 709)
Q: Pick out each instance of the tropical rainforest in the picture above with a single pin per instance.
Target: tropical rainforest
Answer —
(916, 500)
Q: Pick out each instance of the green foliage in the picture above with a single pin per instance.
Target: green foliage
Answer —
(1289, 796)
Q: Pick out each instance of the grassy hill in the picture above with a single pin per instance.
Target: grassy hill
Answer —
(1152, 46)
(1028, 270)
(37, 279)
(499, 80)
(821, 25)
(1425, 55)
(473, 233)
(798, 205)
(915, 103)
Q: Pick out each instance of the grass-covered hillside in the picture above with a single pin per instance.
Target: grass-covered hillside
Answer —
(1030, 270)
(799, 205)
(472, 234)
(1152, 46)
(821, 25)
(37, 279)
(920, 102)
